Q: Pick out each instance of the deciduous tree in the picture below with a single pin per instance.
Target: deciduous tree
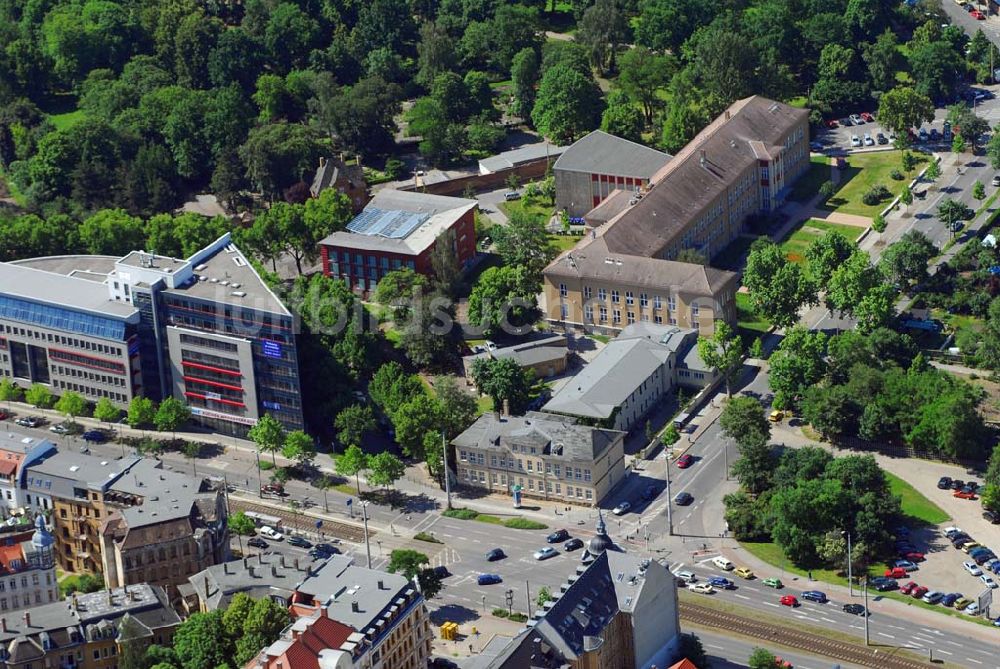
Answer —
(384, 469)
(268, 434)
(778, 287)
(723, 351)
(351, 463)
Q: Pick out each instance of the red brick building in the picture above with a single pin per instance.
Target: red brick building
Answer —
(399, 229)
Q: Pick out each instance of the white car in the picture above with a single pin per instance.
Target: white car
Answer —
(490, 346)
(723, 563)
(972, 609)
(686, 575)
(270, 533)
(622, 509)
(703, 588)
(546, 553)
(868, 140)
(855, 140)
(951, 529)
(972, 568)
(988, 582)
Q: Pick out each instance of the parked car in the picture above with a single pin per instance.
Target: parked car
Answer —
(988, 582)
(856, 119)
(744, 572)
(918, 592)
(922, 135)
(685, 461)
(964, 494)
(495, 554)
(908, 588)
(815, 596)
(854, 609)
(950, 598)
(972, 568)
(905, 564)
(686, 575)
(316, 554)
(935, 135)
(789, 600)
(884, 584)
(962, 602)
(895, 572)
(327, 548)
(913, 556)
(933, 597)
(846, 122)
(622, 509)
(946, 132)
(776, 416)
(545, 553)
(867, 117)
(881, 138)
(944, 483)
(272, 489)
(573, 544)
(815, 146)
(952, 530)
(703, 588)
(855, 140)
(300, 542)
(256, 542)
(868, 140)
(977, 15)
(773, 583)
(489, 579)
(971, 609)
(270, 533)
(996, 180)
(969, 545)
(512, 195)
(722, 583)
(557, 536)
(59, 429)
(832, 123)
(29, 421)
(991, 517)
(957, 484)
(683, 498)
(95, 436)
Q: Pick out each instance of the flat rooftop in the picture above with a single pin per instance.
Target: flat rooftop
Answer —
(402, 222)
(67, 466)
(25, 282)
(227, 276)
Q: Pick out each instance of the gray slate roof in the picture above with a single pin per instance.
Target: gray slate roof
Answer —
(519, 156)
(59, 473)
(685, 186)
(546, 432)
(603, 153)
(270, 575)
(621, 367)
(36, 285)
(548, 349)
(589, 260)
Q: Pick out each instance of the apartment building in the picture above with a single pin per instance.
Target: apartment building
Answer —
(205, 329)
(541, 455)
(611, 614)
(386, 612)
(631, 376)
(311, 642)
(167, 527)
(399, 229)
(86, 631)
(597, 165)
(128, 519)
(269, 575)
(593, 289)
(27, 567)
(17, 452)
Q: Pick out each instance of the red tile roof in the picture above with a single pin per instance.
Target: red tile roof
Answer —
(684, 664)
(303, 653)
(8, 467)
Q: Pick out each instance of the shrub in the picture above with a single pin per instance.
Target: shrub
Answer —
(500, 613)
(424, 536)
(878, 223)
(876, 194)
(266, 466)
(897, 175)
(461, 514)
(518, 617)
(524, 524)
(827, 189)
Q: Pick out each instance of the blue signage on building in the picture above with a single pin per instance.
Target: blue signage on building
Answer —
(272, 349)
(273, 406)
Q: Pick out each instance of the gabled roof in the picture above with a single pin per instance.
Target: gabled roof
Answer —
(602, 153)
(746, 132)
(592, 260)
(555, 436)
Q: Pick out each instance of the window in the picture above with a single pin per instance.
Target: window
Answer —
(563, 312)
(602, 294)
(530, 467)
(557, 469)
(615, 296)
(588, 313)
(590, 495)
(657, 304)
(588, 292)
(603, 314)
(586, 474)
(562, 290)
(629, 298)
(643, 300)
(493, 461)
(616, 316)
(671, 303)
(520, 464)
(694, 311)
(462, 456)
(629, 317)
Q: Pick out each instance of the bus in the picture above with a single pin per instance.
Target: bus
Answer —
(261, 519)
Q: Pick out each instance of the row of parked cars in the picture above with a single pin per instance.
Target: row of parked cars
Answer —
(569, 543)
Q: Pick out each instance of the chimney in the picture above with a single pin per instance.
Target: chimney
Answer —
(27, 619)
(296, 563)
(702, 154)
(3, 624)
(506, 407)
(354, 607)
(111, 601)
(246, 562)
(381, 584)
(727, 114)
(225, 568)
(250, 570)
(324, 612)
(282, 560)
(322, 161)
(207, 593)
(274, 571)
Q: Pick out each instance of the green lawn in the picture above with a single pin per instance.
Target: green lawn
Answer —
(809, 183)
(799, 102)
(809, 231)
(747, 319)
(564, 242)
(914, 504)
(863, 171)
(539, 207)
(63, 121)
(732, 256)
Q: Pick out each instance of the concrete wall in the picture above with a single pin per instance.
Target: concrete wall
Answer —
(485, 182)
(573, 192)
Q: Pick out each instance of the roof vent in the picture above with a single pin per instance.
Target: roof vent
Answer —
(203, 278)
(235, 285)
(74, 468)
(239, 262)
(608, 261)
(199, 268)
(238, 293)
(214, 280)
(224, 282)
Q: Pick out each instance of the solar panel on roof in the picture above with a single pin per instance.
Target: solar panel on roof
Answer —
(394, 224)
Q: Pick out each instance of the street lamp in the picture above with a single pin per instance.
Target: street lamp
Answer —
(670, 501)
(850, 579)
(368, 546)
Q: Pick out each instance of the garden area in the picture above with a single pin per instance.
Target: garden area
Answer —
(808, 231)
(749, 324)
(864, 174)
(809, 183)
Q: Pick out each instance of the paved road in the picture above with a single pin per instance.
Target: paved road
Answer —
(728, 652)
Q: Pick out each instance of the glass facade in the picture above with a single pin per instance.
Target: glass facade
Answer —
(58, 318)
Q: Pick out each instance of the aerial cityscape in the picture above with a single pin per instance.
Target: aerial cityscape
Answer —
(499, 334)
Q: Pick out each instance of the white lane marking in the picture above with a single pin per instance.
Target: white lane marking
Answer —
(943, 652)
(973, 660)
(712, 645)
(887, 636)
(772, 604)
(743, 597)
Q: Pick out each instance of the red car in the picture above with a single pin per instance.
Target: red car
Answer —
(867, 117)
(912, 556)
(832, 123)
(4, 415)
(977, 15)
(789, 600)
(964, 494)
(685, 461)
(918, 592)
(895, 572)
(909, 588)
